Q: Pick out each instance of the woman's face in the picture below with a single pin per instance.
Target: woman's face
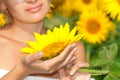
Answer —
(29, 11)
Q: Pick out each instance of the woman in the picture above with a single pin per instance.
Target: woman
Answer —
(27, 18)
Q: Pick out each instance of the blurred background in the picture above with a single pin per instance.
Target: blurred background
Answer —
(99, 20)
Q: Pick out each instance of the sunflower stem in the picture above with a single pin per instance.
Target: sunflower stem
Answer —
(94, 72)
(88, 53)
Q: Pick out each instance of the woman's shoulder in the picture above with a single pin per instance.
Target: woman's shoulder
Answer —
(4, 39)
(7, 42)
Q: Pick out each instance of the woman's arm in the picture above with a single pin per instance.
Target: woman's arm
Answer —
(80, 53)
(17, 73)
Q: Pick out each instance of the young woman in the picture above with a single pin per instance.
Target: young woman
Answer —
(27, 18)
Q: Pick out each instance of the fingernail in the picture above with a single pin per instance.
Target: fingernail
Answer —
(74, 45)
(40, 54)
(83, 65)
(75, 49)
(71, 73)
(74, 58)
(86, 65)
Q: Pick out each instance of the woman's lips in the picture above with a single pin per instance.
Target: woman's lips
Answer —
(34, 9)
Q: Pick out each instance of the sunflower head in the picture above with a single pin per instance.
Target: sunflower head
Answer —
(95, 25)
(111, 7)
(53, 42)
(81, 5)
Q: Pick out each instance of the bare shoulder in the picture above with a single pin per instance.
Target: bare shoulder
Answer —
(8, 42)
(3, 39)
(9, 53)
(4, 43)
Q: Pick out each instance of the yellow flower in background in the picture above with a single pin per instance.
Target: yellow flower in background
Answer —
(112, 7)
(69, 7)
(81, 5)
(52, 43)
(57, 3)
(49, 14)
(66, 8)
(2, 20)
(94, 25)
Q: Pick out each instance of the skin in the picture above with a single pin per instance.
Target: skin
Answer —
(14, 35)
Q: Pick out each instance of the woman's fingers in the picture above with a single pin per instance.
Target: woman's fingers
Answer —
(68, 59)
(31, 58)
(81, 76)
(83, 65)
(63, 75)
(77, 66)
(66, 51)
(72, 61)
(74, 69)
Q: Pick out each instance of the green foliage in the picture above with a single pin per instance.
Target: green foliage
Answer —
(105, 64)
(109, 53)
(58, 19)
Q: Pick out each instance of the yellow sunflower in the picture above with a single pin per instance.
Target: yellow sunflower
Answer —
(112, 7)
(94, 25)
(2, 20)
(81, 5)
(66, 9)
(69, 7)
(49, 14)
(52, 43)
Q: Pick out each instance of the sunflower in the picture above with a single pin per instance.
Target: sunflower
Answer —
(66, 9)
(112, 7)
(52, 43)
(81, 5)
(69, 7)
(94, 25)
(2, 20)
(49, 14)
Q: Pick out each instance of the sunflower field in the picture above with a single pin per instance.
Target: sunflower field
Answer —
(99, 21)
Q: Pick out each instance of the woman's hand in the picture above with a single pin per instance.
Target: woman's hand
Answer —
(64, 75)
(80, 59)
(32, 64)
(76, 66)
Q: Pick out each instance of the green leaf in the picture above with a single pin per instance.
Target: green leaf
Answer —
(109, 52)
(110, 77)
(99, 62)
(104, 54)
(113, 50)
(114, 68)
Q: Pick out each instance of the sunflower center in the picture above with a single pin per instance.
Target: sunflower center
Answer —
(93, 26)
(53, 50)
(118, 1)
(86, 1)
